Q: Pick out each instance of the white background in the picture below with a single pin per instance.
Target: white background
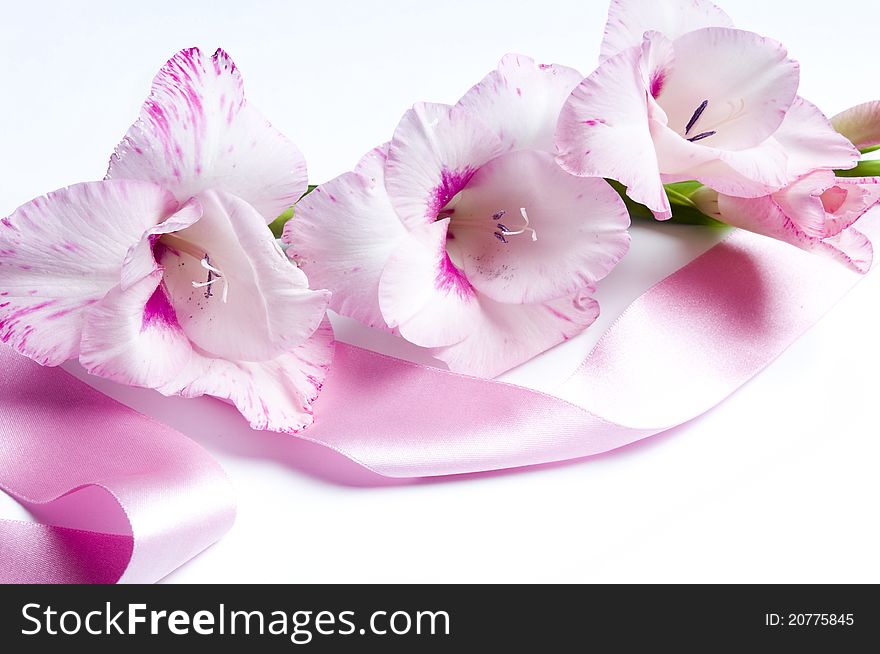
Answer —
(779, 483)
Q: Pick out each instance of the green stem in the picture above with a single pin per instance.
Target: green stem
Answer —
(866, 168)
(684, 211)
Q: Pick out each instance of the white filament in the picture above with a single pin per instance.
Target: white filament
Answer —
(525, 228)
(219, 277)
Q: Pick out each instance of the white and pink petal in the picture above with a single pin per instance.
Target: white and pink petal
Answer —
(62, 253)
(342, 235)
(423, 294)
(508, 335)
(521, 101)
(132, 336)
(851, 248)
(196, 131)
(274, 395)
(628, 20)
(801, 201)
(603, 131)
(811, 142)
(765, 216)
(435, 150)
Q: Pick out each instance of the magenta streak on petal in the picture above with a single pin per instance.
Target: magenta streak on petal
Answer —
(10, 322)
(158, 311)
(658, 79)
(162, 128)
(559, 315)
(65, 312)
(451, 279)
(178, 81)
(451, 182)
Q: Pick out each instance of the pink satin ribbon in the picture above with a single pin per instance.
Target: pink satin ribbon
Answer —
(58, 437)
(677, 351)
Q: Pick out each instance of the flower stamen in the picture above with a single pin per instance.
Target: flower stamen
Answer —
(214, 275)
(504, 231)
(696, 117)
(700, 137)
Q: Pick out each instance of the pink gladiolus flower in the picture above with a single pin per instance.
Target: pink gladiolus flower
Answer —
(462, 234)
(165, 275)
(814, 213)
(681, 95)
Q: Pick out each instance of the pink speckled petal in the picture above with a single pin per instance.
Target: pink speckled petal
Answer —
(860, 124)
(508, 335)
(521, 101)
(801, 201)
(628, 20)
(435, 151)
(423, 294)
(132, 336)
(372, 164)
(854, 197)
(760, 215)
(269, 308)
(765, 216)
(851, 248)
(196, 131)
(580, 229)
(343, 234)
(748, 81)
(603, 131)
(274, 395)
(810, 141)
(62, 253)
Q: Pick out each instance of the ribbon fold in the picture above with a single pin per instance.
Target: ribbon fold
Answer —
(163, 495)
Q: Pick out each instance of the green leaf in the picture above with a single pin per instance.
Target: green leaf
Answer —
(277, 225)
(870, 149)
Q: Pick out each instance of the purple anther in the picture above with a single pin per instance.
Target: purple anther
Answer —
(700, 137)
(696, 117)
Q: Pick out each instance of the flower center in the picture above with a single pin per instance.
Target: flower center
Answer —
(214, 274)
(693, 122)
(491, 223)
(504, 231)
